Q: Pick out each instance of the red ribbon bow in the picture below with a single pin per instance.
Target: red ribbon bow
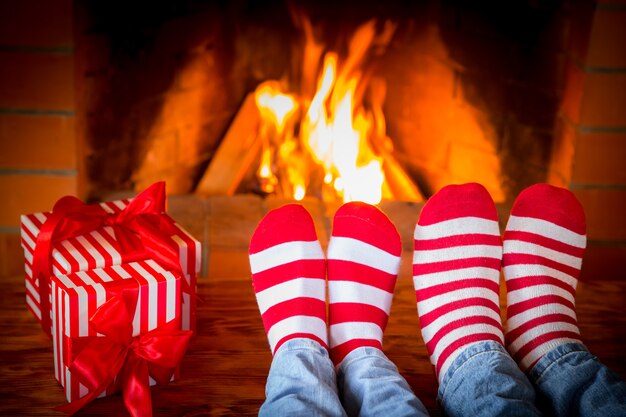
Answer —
(97, 361)
(139, 228)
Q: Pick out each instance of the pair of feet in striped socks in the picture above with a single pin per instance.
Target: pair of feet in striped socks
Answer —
(289, 272)
(458, 256)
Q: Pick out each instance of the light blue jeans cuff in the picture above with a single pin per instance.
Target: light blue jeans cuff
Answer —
(571, 381)
(301, 382)
(485, 381)
(370, 385)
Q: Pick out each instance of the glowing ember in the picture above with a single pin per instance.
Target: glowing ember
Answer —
(335, 135)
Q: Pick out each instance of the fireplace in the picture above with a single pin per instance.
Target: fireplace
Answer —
(471, 92)
(113, 96)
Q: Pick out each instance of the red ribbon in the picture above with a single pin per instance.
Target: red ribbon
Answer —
(97, 361)
(139, 228)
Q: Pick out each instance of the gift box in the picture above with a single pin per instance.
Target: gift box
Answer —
(78, 237)
(116, 326)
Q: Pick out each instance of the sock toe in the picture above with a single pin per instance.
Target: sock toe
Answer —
(458, 200)
(368, 224)
(291, 222)
(554, 204)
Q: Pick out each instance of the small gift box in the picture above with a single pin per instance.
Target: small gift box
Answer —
(116, 328)
(78, 237)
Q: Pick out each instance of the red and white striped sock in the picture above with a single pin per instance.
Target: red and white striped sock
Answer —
(363, 261)
(288, 275)
(456, 272)
(544, 242)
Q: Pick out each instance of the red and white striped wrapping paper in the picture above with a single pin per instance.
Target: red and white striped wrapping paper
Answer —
(98, 249)
(77, 296)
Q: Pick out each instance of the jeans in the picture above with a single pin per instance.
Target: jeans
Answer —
(302, 382)
(568, 381)
(485, 381)
(571, 381)
(482, 381)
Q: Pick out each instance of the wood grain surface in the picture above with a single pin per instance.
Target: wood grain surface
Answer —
(225, 369)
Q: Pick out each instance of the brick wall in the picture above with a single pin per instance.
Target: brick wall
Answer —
(38, 141)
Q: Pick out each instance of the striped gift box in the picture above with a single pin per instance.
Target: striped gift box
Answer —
(77, 296)
(98, 249)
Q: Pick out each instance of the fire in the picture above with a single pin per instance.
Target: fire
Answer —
(273, 105)
(275, 109)
(335, 134)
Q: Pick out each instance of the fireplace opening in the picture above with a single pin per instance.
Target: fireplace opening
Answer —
(435, 92)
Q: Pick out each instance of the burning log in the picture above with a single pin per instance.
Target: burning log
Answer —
(237, 153)
(400, 184)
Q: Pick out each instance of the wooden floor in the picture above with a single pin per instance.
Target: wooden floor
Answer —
(225, 368)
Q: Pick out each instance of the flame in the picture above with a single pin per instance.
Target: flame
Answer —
(299, 192)
(293, 164)
(275, 109)
(335, 130)
(265, 174)
(275, 106)
(336, 136)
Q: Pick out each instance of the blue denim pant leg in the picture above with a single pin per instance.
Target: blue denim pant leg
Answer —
(301, 382)
(570, 381)
(485, 381)
(370, 385)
